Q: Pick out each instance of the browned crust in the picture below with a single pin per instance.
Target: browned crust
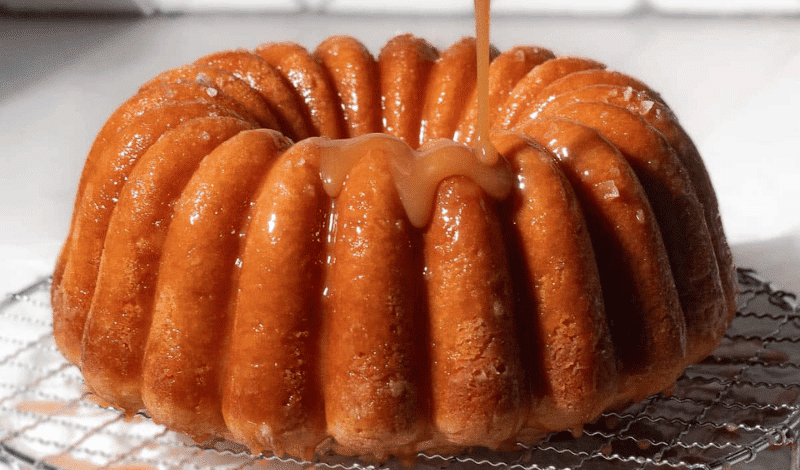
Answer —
(505, 72)
(478, 385)
(271, 392)
(661, 118)
(354, 73)
(640, 297)
(156, 94)
(595, 76)
(281, 97)
(522, 98)
(191, 314)
(373, 403)
(311, 83)
(404, 64)
(677, 209)
(209, 76)
(72, 295)
(568, 354)
(119, 320)
(450, 83)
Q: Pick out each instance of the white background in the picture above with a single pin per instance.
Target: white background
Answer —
(606, 7)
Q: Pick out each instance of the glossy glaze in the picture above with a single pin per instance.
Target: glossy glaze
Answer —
(369, 326)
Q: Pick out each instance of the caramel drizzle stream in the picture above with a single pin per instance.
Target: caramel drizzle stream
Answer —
(487, 153)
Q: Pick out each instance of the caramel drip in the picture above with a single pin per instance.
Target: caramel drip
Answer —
(416, 173)
(487, 153)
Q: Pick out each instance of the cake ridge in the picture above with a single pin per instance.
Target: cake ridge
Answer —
(135, 236)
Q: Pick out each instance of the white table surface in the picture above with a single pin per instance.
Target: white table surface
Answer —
(734, 82)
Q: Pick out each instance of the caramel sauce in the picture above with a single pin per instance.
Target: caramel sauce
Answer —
(416, 173)
(487, 154)
(44, 408)
(67, 462)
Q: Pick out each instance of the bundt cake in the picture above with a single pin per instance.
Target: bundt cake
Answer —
(299, 251)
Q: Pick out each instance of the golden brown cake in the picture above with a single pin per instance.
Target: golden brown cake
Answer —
(277, 247)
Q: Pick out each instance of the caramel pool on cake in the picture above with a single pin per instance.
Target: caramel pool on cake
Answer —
(277, 247)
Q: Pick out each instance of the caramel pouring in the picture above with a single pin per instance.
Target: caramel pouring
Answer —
(487, 153)
(417, 174)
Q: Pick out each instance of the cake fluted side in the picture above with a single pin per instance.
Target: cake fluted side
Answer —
(209, 279)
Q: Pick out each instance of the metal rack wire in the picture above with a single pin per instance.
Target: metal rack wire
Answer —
(742, 400)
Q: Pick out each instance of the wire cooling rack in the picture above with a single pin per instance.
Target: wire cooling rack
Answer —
(743, 399)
